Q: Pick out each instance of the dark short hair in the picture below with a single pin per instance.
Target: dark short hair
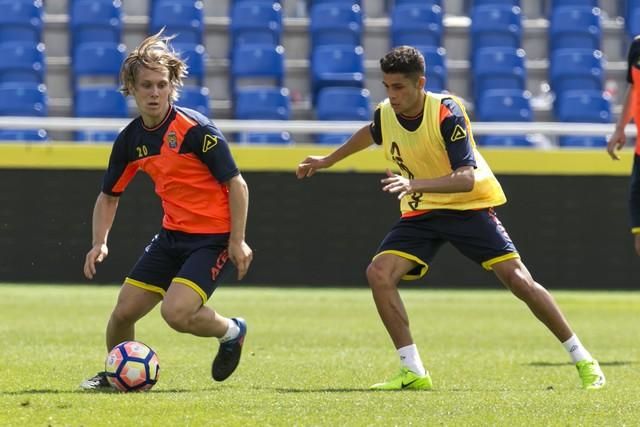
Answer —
(403, 59)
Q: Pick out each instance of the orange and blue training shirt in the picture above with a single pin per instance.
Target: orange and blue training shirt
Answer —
(189, 162)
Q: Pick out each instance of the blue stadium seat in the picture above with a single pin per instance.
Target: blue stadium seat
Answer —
(91, 21)
(196, 98)
(495, 26)
(499, 68)
(436, 64)
(98, 101)
(572, 3)
(22, 62)
(98, 59)
(582, 141)
(184, 19)
(341, 103)
(427, 2)
(263, 103)
(583, 106)
(23, 99)
(575, 27)
(504, 105)
(21, 21)
(416, 24)
(335, 23)
(510, 3)
(331, 138)
(265, 138)
(33, 135)
(195, 55)
(504, 141)
(257, 63)
(255, 23)
(632, 22)
(336, 65)
(575, 69)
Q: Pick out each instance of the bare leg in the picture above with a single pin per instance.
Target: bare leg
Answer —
(133, 304)
(183, 310)
(515, 276)
(383, 275)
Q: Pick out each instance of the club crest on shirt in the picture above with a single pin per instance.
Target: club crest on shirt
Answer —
(209, 142)
(172, 140)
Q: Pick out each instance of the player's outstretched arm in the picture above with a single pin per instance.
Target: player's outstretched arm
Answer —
(460, 180)
(618, 138)
(104, 213)
(240, 253)
(358, 142)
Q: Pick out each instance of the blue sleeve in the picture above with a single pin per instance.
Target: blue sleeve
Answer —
(113, 182)
(453, 127)
(210, 145)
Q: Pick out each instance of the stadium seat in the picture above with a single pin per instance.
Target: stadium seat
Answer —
(427, 2)
(98, 101)
(510, 3)
(335, 23)
(21, 21)
(257, 65)
(504, 141)
(416, 24)
(341, 103)
(436, 64)
(575, 27)
(260, 103)
(499, 68)
(495, 26)
(23, 99)
(255, 23)
(184, 19)
(33, 135)
(91, 21)
(582, 141)
(195, 55)
(98, 59)
(583, 106)
(504, 105)
(336, 65)
(331, 138)
(22, 62)
(572, 3)
(575, 69)
(632, 23)
(196, 98)
(265, 138)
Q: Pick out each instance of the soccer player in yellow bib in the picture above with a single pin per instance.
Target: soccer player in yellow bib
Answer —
(447, 193)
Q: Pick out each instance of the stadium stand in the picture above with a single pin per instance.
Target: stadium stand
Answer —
(416, 24)
(183, 18)
(22, 62)
(292, 32)
(335, 23)
(341, 103)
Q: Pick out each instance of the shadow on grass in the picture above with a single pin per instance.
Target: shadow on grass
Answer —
(611, 363)
(53, 391)
(324, 390)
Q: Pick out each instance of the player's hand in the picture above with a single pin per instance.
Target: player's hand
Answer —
(637, 243)
(396, 184)
(97, 254)
(310, 165)
(616, 142)
(241, 256)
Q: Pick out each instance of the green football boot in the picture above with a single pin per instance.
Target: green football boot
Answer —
(405, 380)
(590, 374)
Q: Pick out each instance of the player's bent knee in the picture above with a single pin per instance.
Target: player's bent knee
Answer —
(125, 315)
(377, 275)
(177, 319)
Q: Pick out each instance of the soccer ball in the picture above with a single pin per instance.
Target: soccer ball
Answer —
(132, 366)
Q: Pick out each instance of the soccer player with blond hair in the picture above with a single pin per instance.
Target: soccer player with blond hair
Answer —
(204, 200)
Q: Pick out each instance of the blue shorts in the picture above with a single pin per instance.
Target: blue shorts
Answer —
(199, 261)
(477, 234)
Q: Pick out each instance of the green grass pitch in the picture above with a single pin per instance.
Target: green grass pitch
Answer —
(311, 354)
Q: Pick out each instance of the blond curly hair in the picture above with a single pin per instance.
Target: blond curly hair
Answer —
(154, 53)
